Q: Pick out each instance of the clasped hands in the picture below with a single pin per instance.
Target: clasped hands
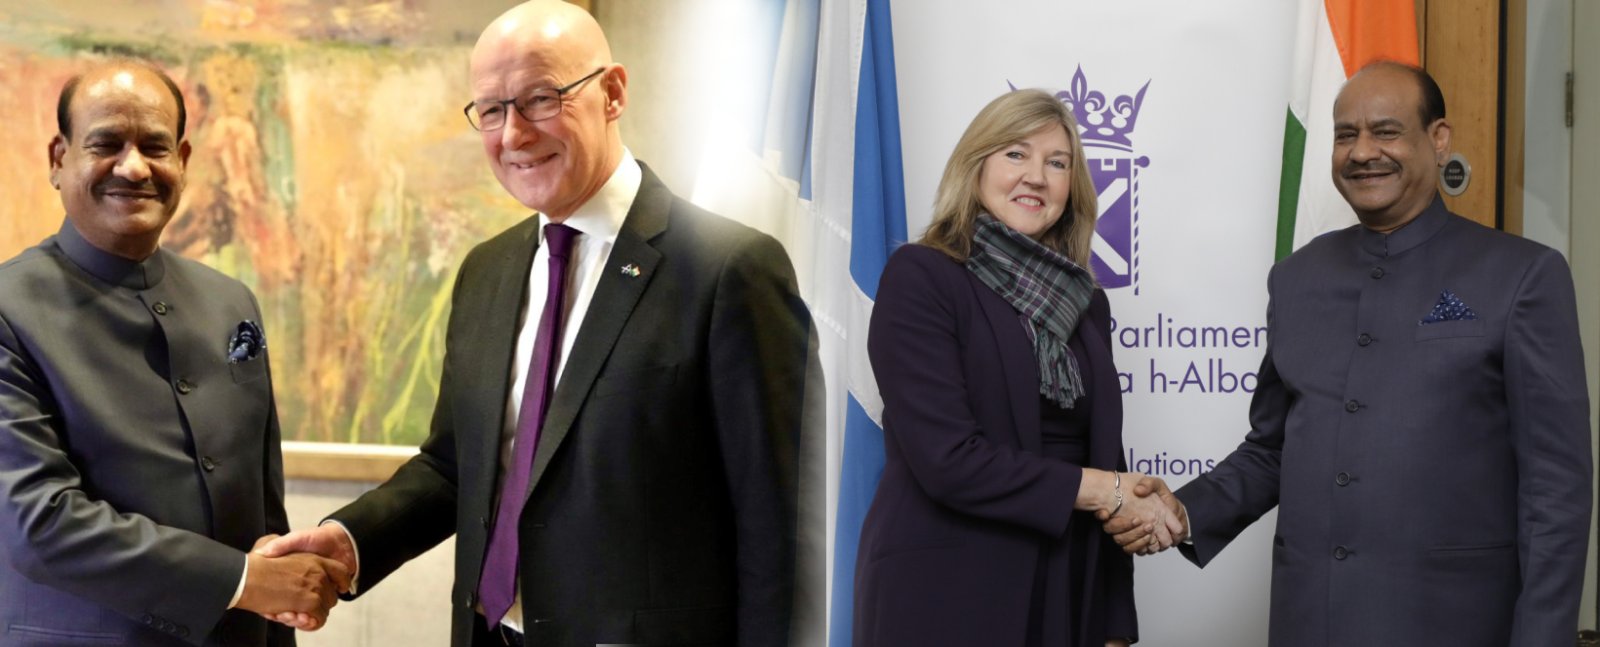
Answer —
(296, 579)
(1150, 520)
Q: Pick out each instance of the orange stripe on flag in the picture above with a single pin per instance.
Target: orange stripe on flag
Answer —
(1370, 30)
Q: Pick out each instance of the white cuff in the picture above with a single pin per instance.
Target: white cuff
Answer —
(356, 573)
(239, 592)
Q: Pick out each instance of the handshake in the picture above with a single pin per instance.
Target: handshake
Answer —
(1148, 521)
(296, 579)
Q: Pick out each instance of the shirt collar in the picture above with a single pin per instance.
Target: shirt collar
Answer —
(108, 267)
(1409, 235)
(601, 217)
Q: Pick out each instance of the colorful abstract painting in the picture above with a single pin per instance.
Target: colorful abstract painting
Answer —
(332, 172)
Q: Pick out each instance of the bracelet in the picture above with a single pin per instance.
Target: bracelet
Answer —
(1116, 488)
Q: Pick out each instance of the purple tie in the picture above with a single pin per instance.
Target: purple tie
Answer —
(497, 587)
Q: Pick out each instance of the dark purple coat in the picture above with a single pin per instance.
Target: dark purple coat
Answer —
(950, 545)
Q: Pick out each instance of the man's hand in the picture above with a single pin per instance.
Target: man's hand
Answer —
(301, 585)
(1178, 517)
(1154, 522)
(1155, 509)
(327, 540)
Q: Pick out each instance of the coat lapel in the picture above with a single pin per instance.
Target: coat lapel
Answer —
(489, 389)
(1105, 391)
(1017, 363)
(613, 303)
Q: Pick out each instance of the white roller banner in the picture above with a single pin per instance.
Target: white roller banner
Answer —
(1183, 103)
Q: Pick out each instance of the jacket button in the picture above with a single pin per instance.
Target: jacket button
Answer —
(1364, 339)
(1342, 479)
(147, 619)
(160, 307)
(1352, 406)
(185, 387)
(208, 463)
(183, 632)
(1340, 552)
(1377, 272)
(471, 599)
(484, 521)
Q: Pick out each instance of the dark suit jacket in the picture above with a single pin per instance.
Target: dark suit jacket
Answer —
(663, 497)
(1433, 480)
(136, 463)
(949, 546)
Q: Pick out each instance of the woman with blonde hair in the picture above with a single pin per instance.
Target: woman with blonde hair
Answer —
(1002, 412)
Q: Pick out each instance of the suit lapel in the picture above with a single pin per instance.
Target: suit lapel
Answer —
(1105, 391)
(1017, 363)
(490, 388)
(609, 311)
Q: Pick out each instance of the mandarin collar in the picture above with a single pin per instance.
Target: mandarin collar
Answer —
(1409, 235)
(108, 267)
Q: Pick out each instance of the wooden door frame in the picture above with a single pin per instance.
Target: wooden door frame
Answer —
(1476, 50)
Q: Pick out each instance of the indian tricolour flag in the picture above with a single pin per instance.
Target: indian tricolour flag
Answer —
(1336, 38)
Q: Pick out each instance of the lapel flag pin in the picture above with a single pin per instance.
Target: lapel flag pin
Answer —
(630, 270)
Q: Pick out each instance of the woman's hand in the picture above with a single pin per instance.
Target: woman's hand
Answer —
(1097, 491)
(1138, 533)
(1138, 510)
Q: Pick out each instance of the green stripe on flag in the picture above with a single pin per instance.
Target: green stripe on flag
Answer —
(1294, 155)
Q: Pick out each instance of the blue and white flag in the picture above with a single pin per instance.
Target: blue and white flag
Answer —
(877, 225)
(822, 173)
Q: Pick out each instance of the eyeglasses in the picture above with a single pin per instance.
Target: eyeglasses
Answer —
(536, 105)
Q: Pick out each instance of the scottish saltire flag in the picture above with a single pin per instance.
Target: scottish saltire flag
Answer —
(1335, 38)
(821, 172)
(877, 225)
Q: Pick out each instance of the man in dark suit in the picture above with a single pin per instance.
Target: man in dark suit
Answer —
(615, 440)
(139, 451)
(1422, 421)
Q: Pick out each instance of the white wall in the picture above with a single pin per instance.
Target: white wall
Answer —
(411, 607)
(1548, 145)
(673, 80)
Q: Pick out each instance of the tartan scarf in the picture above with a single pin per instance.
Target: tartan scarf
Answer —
(1050, 293)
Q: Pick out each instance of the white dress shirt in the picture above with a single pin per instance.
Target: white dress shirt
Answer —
(597, 222)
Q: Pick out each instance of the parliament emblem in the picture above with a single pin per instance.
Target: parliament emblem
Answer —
(1106, 127)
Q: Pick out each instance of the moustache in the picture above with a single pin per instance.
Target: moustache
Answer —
(120, 185)
(1376, 166)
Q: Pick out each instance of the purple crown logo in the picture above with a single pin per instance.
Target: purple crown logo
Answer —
(1105, 128)
(1100, 120)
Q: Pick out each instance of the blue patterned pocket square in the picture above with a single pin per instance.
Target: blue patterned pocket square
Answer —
(1449, 308)
(247, 342)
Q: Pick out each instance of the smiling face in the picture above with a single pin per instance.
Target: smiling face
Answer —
(1384, 158)
(120, 173)
(552, 165)
(1026, 184)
